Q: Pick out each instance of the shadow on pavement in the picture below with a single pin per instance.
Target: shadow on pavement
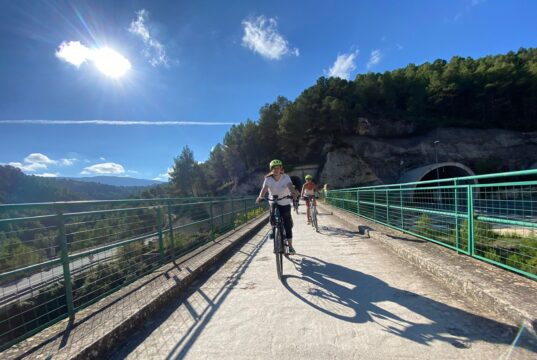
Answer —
(337, 232)
(201, 306)
(364, 298)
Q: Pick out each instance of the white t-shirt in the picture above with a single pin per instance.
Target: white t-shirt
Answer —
(279, 188)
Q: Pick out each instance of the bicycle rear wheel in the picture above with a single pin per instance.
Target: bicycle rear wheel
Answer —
(278, 249)
(314, 219)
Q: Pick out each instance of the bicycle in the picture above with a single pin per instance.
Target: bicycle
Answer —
(313, 212)
(281, 247)
(295, 205)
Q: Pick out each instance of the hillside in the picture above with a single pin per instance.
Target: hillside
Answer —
(117, 181)
(16, 187)
(383, 114)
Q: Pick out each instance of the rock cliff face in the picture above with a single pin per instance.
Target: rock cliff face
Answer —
(366, 160)
(383, 154)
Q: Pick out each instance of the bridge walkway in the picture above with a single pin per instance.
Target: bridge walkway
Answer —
(343, 296)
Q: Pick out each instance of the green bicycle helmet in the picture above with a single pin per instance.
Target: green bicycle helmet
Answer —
(275, 162)
(309, 177)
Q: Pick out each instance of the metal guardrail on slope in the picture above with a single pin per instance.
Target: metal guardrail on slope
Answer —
(490, 217)
(58, 258)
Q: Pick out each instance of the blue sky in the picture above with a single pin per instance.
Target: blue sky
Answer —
(178, 73)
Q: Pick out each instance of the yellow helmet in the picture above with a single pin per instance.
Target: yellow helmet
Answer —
(275, 162)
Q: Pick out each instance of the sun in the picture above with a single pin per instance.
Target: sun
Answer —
(110, 62)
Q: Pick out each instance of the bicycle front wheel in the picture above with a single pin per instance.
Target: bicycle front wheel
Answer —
(278, 249)
(314, 219)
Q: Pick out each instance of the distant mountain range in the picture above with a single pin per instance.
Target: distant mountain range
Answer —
(16, 187)
(117, 181)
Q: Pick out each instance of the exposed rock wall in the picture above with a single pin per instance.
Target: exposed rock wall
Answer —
(373, 160)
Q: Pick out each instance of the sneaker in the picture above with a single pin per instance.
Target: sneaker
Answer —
(292, 251)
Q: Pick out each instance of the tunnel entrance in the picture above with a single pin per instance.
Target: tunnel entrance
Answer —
(446, 170)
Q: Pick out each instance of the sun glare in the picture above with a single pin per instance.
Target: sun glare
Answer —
(110, 62)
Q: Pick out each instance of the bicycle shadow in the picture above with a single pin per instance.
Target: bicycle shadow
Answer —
(337, 232)
(320, 287)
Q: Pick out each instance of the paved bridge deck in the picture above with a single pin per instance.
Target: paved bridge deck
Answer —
(343, 296)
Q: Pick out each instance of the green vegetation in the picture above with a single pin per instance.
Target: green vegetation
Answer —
(16, 187)
(124, 264)
(510, 249)
(491, 92)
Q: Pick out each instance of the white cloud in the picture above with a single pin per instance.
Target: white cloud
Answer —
(67, 162)
(38, 161)
(165, 176)
(375, 58)
(28, 166)
(261, 36)
(343, 66)
(114, 122)
(39, 158)
(104, 168)
(48, 174)
(107, 60)
(73, 52)
(154, 51)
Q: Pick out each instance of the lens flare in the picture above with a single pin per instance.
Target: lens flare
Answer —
(110, 62)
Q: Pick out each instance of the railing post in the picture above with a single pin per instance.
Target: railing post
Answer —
(212, 219)
(233, 214)
(401, 206)
(160, 238)
(222, 205)
(64, 255)
(375, 204)
(470, 196)
(387, 207)
(456, 209)
(170, 220)
(358, 202)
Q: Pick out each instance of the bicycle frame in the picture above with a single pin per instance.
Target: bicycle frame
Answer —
(313, 211)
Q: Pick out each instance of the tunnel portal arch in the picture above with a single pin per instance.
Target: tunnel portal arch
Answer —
(445, 170)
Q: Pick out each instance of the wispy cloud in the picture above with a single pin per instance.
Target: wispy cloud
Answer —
(164, 176)
(113, 122)
(103, 168)
(470, 4)
(108, 61)
(343, 66)
(38, 161)
(153, 50)
(48, 174)
(374, 59)
(261, 36)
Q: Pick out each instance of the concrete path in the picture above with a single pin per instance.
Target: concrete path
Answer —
(343, 297)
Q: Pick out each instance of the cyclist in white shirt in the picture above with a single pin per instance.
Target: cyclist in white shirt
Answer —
(280, 184)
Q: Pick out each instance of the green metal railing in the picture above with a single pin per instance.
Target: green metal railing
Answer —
(58, 258)
(491, 217)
